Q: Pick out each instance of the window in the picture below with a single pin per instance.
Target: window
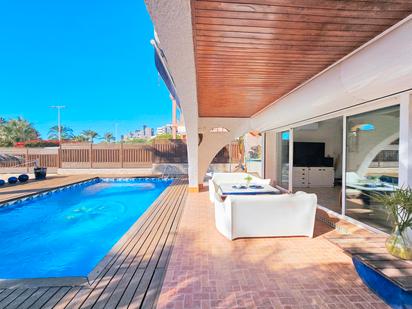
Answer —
(372, 164)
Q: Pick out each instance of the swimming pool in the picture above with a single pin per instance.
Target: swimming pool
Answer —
(67, 232)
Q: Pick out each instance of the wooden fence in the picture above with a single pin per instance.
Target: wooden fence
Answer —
(86, 155)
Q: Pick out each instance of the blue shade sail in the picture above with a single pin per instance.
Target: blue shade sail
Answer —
(164, 72)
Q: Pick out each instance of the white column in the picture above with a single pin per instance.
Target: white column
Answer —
(270, 156)
(193, 158)
(405, 140)
(291, 160)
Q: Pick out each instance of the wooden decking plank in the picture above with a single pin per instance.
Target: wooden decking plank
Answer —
(396, 272)
(359, 250)
(115, 272)
(404, 281)
(119, 281)
(399, 264)
(148, 275)
(84, 293)
(11, 297)
(131, 288)
(153, 289)
(22, 297)
(33, 298)
(385, 256)
(44, 298)
(66, 299)
(6, 293)
(148, 255)
(172, 235)
(56, 297)
(135, 287)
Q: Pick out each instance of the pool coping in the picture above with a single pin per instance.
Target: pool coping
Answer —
(74, 281)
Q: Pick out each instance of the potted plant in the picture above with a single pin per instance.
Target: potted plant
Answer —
(248, 179)
(399, 207)
(40, 173)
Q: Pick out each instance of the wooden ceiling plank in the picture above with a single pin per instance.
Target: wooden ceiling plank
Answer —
(302, 9)
(290, 24)
(365, 5)
(285, 31)
(296, 18)
(276, 42)
(273, 47)
(279, 36)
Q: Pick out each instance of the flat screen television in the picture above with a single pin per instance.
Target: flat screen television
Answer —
(308, 154)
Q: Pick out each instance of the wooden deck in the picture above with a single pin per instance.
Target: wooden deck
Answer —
(370, 249)
(134, 274)
(10, 192)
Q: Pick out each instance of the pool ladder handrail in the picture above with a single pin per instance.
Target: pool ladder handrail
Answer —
(164, 172)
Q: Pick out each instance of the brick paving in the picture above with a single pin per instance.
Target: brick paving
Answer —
(208, 271)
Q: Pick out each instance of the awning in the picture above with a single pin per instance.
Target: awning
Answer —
(161, 66)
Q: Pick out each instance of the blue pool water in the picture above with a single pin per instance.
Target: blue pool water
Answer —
(68, 232)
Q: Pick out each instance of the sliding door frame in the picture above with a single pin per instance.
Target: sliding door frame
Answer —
(403, 99)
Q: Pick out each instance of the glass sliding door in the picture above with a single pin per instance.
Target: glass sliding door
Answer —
(372, 164)
(317, 161)
(282, 159)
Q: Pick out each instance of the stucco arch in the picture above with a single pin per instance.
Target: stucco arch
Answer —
(212, 143)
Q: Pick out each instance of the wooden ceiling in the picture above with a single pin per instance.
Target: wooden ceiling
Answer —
(251, 52)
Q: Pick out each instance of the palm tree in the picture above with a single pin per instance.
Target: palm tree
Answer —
(16, 130)
(80, 138)
(90, 135)
(108, 137)
(66, 133)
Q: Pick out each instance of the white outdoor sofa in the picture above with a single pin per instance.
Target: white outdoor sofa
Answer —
(265, 215)
(232, 178)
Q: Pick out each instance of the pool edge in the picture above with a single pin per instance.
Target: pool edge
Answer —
(74, 281)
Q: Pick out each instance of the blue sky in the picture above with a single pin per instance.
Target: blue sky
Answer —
(92, 56)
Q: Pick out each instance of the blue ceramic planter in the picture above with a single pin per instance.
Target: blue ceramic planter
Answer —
(12, 180)
(392, 294)
(23, 178)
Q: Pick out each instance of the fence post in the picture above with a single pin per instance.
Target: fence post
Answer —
(27, 159)
(90, 155)
(121, 154)
(59, 156)
(153, 152)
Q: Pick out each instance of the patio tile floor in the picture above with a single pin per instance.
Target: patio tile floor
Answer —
(208, 271)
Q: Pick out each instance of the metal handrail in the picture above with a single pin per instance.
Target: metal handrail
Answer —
(164, 172)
